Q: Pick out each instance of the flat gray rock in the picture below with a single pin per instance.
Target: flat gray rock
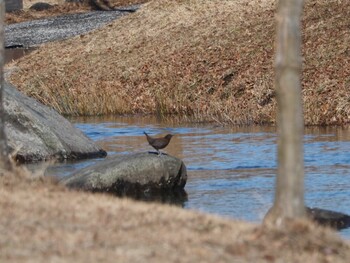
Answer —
(36, 132)
(134, 175)
(33, 33)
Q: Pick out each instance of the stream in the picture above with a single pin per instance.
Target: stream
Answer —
(231, 170)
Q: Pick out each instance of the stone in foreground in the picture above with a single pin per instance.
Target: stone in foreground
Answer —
(136, 175)
(36, 132)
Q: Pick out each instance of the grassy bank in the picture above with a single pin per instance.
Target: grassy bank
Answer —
(205, 60)
(44, 222)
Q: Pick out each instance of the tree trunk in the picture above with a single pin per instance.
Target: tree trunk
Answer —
(4, 159)
(289, 194)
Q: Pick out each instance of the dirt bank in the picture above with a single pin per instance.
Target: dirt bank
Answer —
(210, 60)
(43, 222)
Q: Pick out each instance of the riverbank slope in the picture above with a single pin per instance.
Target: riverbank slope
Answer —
(205, 60)
(43, 222)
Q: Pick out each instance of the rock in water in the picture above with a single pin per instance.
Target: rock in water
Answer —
(132, 175)
(36, 132)
(329, 218)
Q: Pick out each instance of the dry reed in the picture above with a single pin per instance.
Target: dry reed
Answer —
(198, 59)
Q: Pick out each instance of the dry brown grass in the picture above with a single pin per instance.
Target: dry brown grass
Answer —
(43, 222)
(204, 60)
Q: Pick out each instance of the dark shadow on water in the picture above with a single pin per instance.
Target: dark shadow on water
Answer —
(177, 198)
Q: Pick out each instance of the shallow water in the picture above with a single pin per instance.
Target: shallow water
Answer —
(232, 170)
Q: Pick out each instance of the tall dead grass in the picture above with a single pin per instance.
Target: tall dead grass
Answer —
(199, 59)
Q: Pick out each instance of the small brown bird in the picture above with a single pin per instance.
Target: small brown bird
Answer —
(158, 143)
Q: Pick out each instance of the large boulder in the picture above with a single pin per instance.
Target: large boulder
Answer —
(36, 132)
(139, 175)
